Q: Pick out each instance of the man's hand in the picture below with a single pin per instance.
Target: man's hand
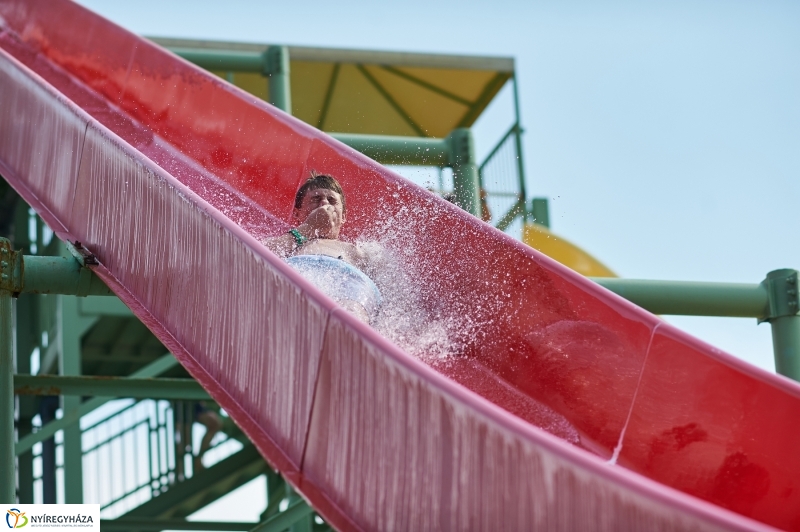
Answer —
(320, 223)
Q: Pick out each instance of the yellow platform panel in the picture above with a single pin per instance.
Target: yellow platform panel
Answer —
(372, 92)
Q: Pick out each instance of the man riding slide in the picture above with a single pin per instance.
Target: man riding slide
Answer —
(313, 248)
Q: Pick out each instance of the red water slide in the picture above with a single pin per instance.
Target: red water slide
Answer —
(563, 408)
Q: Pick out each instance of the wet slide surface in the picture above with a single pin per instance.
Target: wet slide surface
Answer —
(542, 401)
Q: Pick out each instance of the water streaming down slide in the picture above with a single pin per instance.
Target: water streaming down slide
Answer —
(505, 393)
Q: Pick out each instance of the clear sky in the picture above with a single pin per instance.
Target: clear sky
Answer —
(666, 134)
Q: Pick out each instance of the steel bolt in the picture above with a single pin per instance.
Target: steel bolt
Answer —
(4, 276)
(3, 264)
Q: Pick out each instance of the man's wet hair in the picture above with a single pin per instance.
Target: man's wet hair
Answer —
(317, 181)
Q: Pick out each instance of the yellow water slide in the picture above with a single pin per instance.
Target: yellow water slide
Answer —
(542, 239)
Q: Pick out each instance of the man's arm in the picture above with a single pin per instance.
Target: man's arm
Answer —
(283, 245)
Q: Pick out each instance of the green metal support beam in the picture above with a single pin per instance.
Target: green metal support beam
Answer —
(466, 177)
(139, 388)
(276, 68)
(323, 113)
(31, 274)
(205, 486)
(242, 61)
(276, 523)
(8, 481)
(517, 209)
(784, 304)
(692, 298)
(540, 211)
(387, 149)
(775, 300)
(60, 275)
(26, 443)
(146, 524)
(295, 512)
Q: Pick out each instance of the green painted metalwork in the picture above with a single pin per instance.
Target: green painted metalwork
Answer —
(466, 177)
(499, 145)
(296, 511)
(276, 68)
(303, 523)
(141, 388)
(8, 479)
(206, 486)
(776, 300)
(389, 98)
(692, 298)
(243, 61)
(518, 141)
(153, 369)
(388, 149)
(784, 304)
(60, 275)
(511, 215)
(145, 524)
(323, 113)
(540, 211)
(276, 492)
(26, 342)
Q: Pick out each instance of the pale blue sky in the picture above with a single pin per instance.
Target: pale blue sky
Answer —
(666, 135)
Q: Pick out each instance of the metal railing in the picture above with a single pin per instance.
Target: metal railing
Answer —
(503, 182)
(137, 452)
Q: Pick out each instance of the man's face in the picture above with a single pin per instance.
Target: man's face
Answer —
(321, 197)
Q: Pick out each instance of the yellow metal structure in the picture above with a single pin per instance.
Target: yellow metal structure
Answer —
(540, 238)
(371, 92)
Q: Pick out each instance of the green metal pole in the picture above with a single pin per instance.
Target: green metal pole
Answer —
(240, 61)
(786, 345)
(304, 523)
(540, 211)
(466, 178)
(80, 385)
(784, 304)
(26, 340)
(276, 68)
(518, 145)
(388, 149)
(692, 298)
(7, 461)
(61, 275)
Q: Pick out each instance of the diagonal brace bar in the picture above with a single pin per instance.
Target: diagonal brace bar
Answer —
(285, 519)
